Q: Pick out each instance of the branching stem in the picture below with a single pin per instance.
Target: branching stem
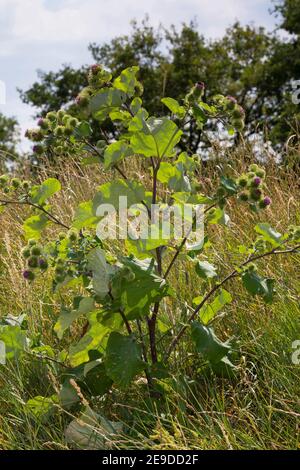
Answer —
(52, 217)
(233, 274)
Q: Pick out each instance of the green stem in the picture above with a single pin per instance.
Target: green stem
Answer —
(182, 244)
(233, 274)
(52, 217)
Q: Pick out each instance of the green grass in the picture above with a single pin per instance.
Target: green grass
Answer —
(258, 409)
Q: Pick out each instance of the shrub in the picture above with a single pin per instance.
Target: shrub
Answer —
(122, 297)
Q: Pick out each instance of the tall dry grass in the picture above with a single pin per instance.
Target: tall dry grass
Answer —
(262, 410)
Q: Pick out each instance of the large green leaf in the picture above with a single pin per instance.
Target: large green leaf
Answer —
(257, 285)
(106, 101)
(141, 247)
(116, 152)
(127, 81)
(109, 193)
(90, 376)
(229, 184)
(96, 380)
(199, 115)
(138, 122)
(208, 312)
(187, 162)
(224, 368)
(207, 343)
(84, 216)
(94, 339)
(166, 172)
(146, 288)
(14, 340)
(117, 115)
(67, 317)
(174, 106)
(42, 407)
(34, 225)
(218, 216)
(123, 359)
(83, 130)
(136, 104)
(174, 177)
(187, 198)
(158, 139)
(41, 193)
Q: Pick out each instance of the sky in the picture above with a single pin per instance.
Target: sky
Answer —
(43, 34)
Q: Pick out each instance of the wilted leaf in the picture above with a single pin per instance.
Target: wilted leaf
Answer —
(91, 431)
(269, 234)
(205, 270)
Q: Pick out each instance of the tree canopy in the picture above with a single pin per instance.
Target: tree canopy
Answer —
(9, 138)
(249, 63)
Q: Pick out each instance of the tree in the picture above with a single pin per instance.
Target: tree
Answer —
(9, 139)
(247, 62)
(285, 69)
(54, 89)
(289, 11)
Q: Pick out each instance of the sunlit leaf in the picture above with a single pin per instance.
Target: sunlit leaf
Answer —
(116, 152)
(160, 139)
(45, 190)
(174, 106)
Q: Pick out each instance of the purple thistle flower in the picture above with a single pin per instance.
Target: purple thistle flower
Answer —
(43, 263)
(40, 122)
(95, 69)
(267, 201)
(256, 181)
(257, 193)
(28, 275)
(200, 85)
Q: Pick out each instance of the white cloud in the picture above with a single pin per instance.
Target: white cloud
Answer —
(35, 20)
